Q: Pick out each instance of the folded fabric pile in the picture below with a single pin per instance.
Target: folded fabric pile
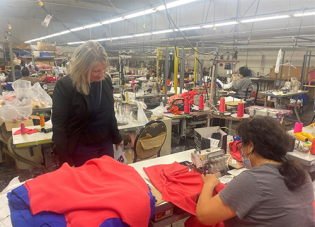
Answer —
(102, 192)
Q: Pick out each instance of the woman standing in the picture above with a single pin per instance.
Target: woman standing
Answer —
(84, 123)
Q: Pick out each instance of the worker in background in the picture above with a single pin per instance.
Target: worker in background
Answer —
(245, 82)
(274, 191)
(26, 76)
(17, 70)
(83, 116)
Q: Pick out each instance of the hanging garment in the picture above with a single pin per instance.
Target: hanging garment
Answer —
(177, 184)
(100, 190)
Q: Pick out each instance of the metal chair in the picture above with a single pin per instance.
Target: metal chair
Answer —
(150, 141)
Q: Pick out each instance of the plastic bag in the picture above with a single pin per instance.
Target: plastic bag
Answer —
(119, 155)
(44, 100)
(159, 111)
(141, 115)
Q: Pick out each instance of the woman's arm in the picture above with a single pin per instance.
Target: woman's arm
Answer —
(237, 85)
(60, 115)
(212, 210)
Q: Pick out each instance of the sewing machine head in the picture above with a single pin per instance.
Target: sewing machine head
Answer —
(210, 161)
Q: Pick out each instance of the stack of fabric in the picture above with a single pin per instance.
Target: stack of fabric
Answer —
(103, 192)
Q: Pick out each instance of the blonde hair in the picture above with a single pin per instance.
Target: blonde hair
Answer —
(82, 62)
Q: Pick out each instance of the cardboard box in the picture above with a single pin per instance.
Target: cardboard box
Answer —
(42, 46)
(201, 136)
(7, 126)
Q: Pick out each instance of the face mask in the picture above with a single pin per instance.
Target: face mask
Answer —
(247, 162)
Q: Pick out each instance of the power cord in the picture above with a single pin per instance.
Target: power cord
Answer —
(41, 4)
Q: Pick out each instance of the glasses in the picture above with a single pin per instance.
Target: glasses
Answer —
(239, 145)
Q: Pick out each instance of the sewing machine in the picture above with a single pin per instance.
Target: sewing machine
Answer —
(210, 161)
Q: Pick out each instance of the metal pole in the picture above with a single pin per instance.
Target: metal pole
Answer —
(11, 61)
(275, 84)
(175, 69)
(215, 85)
(182, 70)
(281, 68)
(308, 68)
(158, 64)
(303, 70)
(212, 79)
(166, 72)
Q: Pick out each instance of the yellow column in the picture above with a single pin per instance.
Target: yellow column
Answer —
(195, 69)
(175, 70)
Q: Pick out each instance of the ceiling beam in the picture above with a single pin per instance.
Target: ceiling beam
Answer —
(100, 7)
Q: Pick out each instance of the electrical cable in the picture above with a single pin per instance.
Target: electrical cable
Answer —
(297, 38)
(251, 31)
(41, 4)
(114, 7)
(171, 20)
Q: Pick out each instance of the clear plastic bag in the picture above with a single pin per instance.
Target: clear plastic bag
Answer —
(43, 99)
(141, 115)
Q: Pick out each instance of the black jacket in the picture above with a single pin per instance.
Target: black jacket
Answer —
(71, 111)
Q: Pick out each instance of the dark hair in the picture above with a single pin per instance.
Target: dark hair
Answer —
(25, 72)
(271, 141)
(17, 67)
(244, 71)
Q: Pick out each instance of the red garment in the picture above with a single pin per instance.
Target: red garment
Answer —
(235, 153)
(88, 195)
(27, 130)
(191, 95)
(175, 110)
(193, 221)
(177, 184)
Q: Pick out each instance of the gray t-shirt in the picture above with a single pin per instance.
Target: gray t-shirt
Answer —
(260, 198)
(242, 85)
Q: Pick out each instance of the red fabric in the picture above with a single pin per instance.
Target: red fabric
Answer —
(193, 222)
(99, 190)
(191, 95)
(49, 79)
(177, 184)
(27, 130)
(175, 110)
(235, 153)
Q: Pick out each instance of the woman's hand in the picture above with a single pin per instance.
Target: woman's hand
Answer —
(234, 78)
(210, 179)
(119, 145)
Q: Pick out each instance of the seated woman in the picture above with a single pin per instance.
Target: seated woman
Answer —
(241, 86)
(274, 192)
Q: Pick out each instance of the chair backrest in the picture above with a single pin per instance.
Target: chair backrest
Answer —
(257, 89)
(150, 140)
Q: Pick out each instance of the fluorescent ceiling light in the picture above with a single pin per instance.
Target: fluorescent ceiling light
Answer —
(125, 37)
(93, 25)
(174, 4)
(208, 26)
(114, 38)
(225, 24)
(56, 34)
(164, 31)
(304, 14)
(142, 34)
(64, 32)
(190, 28)
(132, 15)
(116, 19)
(46, 37)
(148, 11)
(80, 42)
(264, 18)
(100, 40)
(77, 29)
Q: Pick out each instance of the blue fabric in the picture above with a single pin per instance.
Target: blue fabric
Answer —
(303, 97)
(21, 215)
(18, 75)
